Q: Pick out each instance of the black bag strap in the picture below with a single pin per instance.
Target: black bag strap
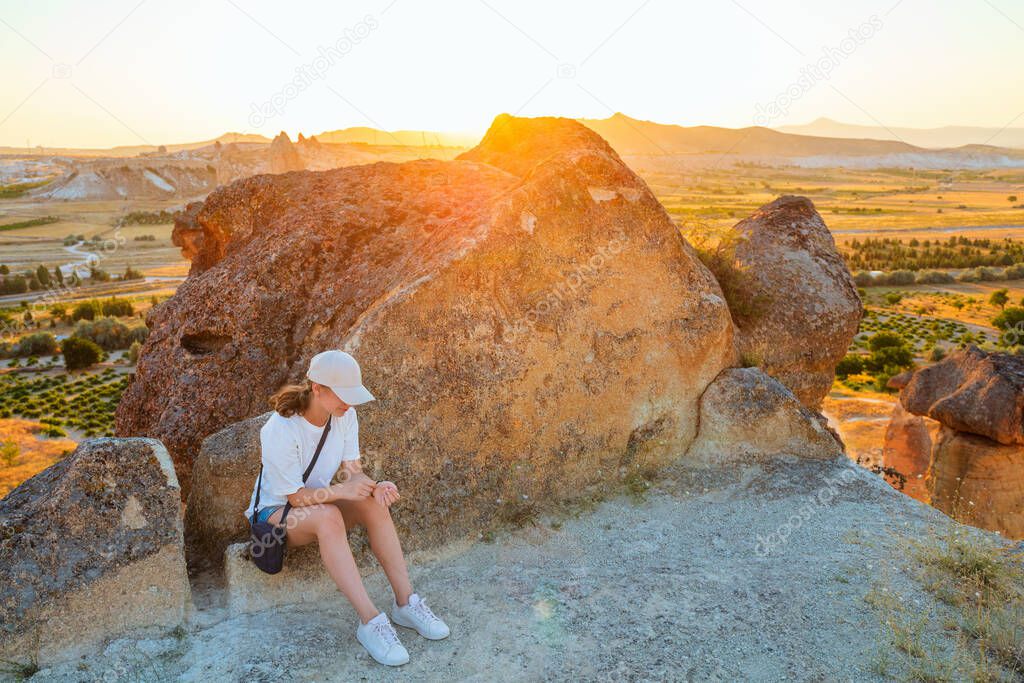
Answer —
(305, 475)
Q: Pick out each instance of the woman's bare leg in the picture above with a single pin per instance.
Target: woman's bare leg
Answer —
(324, 524)
(384, 543)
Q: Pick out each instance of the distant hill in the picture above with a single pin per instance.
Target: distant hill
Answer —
(635, 137)
(667, 146)
(410, 138)
(135, 150)
(932, 138)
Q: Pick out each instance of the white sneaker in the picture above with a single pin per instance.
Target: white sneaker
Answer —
(380, 640)
(417, 615)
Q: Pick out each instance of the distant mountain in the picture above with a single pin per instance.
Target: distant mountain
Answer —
(135, 150)
(932, 138)
(410, 138)
(635, 137)
(675, 144)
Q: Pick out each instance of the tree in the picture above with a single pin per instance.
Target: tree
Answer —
(43, 275)
(36, 344)
(1010, 318)
(885, 339)
(9, 452)
(58, 275)
(1012, 198)
(1000, 298)
(85, 311)
(80, 353)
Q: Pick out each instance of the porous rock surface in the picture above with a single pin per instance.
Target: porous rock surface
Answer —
(91, 548)
(806, 309)
(979, 481)
(972, 391)
(747, 415)
(223, 476)
(907, 452)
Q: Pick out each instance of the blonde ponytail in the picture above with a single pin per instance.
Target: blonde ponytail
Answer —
(292, 398)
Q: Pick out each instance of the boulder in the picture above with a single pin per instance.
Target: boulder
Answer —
(91, 548)
(907, 452)
(222, 481)
(972, 391)
(302, 580)
(979, 481)
(532, 323)
(748, 416)
(804, 306)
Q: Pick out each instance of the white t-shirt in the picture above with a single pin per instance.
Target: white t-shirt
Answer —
(287, 445)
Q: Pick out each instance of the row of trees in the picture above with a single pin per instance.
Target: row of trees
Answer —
(41, 278)
(957, 252)
(899, 278)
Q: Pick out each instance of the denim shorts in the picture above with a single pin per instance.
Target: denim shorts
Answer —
(264, 514)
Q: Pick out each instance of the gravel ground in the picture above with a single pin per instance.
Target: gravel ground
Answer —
(753, 575)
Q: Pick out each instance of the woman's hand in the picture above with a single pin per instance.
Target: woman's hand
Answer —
(356, 488)
(386, 493)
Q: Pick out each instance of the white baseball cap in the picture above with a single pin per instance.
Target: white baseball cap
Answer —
(339, 371)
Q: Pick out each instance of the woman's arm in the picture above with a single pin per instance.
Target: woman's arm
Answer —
(352, 489)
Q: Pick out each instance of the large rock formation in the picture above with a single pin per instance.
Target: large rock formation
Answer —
(282, 155)
(746, 415)
(977, 461)
(804, 306)
(533, 326)
(979, 482)
(91, 548)
(972, 391)
(907, 452)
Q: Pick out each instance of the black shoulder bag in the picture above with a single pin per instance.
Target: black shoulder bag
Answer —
(267, 541)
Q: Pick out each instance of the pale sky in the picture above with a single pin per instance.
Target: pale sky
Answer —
(109, 72)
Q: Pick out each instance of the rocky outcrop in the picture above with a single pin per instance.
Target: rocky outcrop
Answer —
(747, 416)
(907, 452)
(282, 155)
(979, 481)
(977, 460)
(91, 548)
(538, 313)
(972, 391)
(804, 306)
(222, 481)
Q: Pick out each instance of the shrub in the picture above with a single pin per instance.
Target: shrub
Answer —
(110, 334)
(36, 344)
(936, 277)
(80, 353)
(9, 452)
(133, 352)
(851, 364)
(1010, 317)
(738, 286)
(86, 310)
(885, 339)
(115, 306)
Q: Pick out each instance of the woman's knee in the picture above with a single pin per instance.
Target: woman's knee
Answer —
(319, 518)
